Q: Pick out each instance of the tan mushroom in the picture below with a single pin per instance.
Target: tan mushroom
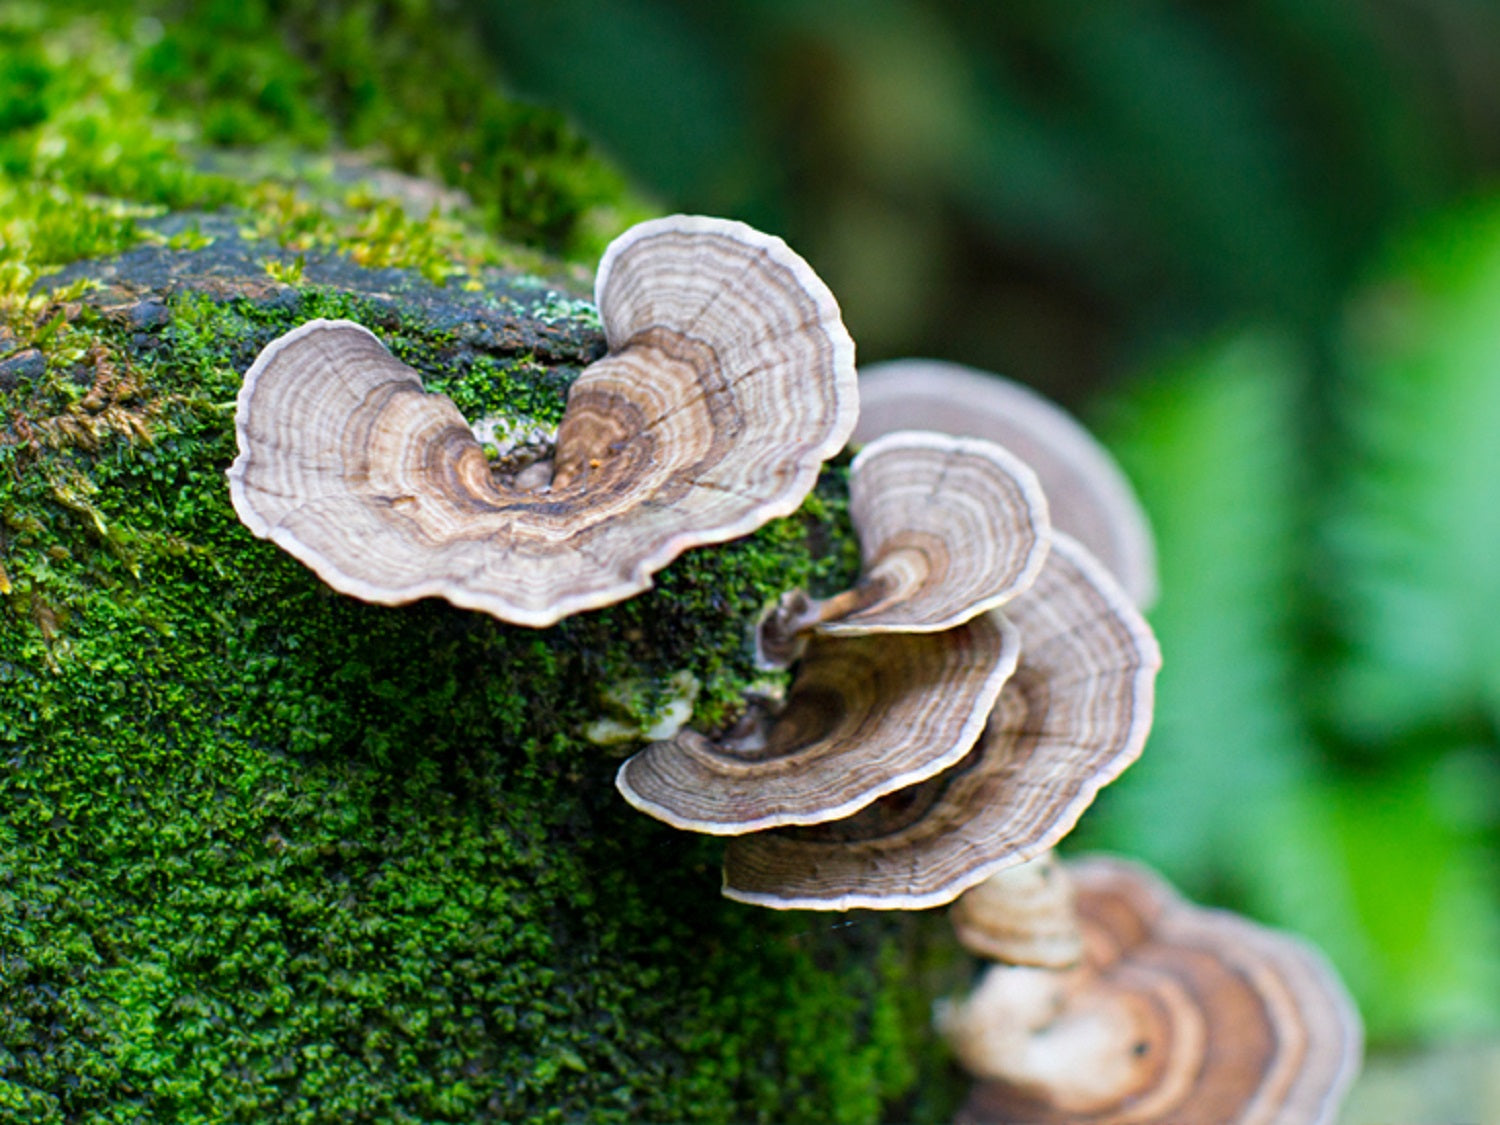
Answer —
(1177, 1014)
(1091, 499)
(729, 380)
(865, 716)
(1073, 716)
(948, 528)
(1022, 915)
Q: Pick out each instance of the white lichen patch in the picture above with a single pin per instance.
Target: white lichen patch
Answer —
(675, 711)
(611, 732)
(504, 438)
(557, 307)
(636, 714)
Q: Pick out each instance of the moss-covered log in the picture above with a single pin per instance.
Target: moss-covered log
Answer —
(268, 853)
(271, 854)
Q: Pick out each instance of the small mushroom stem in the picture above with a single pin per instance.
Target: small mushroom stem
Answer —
(1023, 915)
(781, 633)
(850, 601)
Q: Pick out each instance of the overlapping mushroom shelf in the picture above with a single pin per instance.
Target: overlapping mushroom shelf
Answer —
(948, 529)
(1074, 714)
(866, 716)
(913, 759)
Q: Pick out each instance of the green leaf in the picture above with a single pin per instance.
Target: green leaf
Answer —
(1415, 534)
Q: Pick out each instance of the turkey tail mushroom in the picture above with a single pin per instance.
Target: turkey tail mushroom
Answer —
(948, 528)
(1072, 717)
(866, 715)
(1022, 915)
(729, 380)
(1177, 1013)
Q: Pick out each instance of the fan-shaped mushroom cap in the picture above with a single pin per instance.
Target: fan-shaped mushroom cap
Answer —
(948, 527)
(1178, 1014)
(729, 380)
(1023, 915)
(1073, 716)
(1091, 499)
(866, 715)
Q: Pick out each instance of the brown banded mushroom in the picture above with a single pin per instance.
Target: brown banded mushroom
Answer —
(1176, 1014)
(728, 381)
(1090, 497)
(948, 528)
(1074, 714)
(865, 716)
(1022, 915)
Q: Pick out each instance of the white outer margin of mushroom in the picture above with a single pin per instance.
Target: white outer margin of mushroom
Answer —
(243, 508)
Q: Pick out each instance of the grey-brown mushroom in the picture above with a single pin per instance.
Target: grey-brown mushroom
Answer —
(1176, 1014)
(729, 380)
(948, 528)
(1074, 714)
(866, 715)
(1090, 497)
(1021, 915)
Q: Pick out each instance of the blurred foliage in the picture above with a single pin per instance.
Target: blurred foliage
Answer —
(1270, 783)
(1252, 240)
(1051, 187)
(1418, 527)
(1204, 439)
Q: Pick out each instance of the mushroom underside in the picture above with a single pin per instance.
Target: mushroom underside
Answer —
(1178, 1013)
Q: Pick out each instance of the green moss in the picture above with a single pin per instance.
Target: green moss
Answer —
(270, 853)
(81, 152)
(104, 112)
(303, 72)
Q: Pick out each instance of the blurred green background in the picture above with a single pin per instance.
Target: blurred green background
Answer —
(1256, 245)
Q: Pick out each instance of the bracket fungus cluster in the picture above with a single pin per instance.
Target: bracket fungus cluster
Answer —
(1072, 716)
(729, 380)
(870, 789)
(1170, 1012)
(950, 716)
(897, 676)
